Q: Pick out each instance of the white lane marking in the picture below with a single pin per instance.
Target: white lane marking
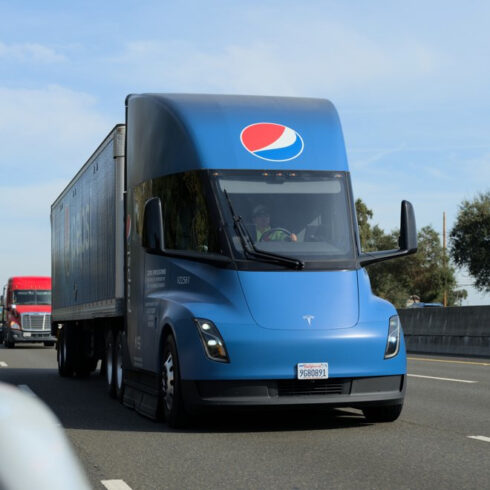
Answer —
(441, 379)
(480, 438)
(115, 485)
(448, 360)
(3, 364)
(27, 390)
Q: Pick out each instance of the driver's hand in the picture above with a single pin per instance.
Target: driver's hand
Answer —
(293, 237)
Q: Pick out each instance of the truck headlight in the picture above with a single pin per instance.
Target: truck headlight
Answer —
(393, 342)
(14, 325)
(213, 343)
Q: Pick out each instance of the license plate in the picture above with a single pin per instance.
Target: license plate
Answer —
(27, 334)
(313, 370)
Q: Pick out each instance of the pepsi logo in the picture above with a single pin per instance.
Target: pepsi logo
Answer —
(270, 141)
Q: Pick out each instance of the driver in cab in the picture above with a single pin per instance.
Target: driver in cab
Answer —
(263, 230)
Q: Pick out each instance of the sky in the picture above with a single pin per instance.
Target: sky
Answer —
(410, 81)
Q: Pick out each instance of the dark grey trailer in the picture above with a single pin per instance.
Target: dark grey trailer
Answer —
(87, 257)
(87, 223)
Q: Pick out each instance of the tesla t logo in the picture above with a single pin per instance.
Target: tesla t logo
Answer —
(308, 318)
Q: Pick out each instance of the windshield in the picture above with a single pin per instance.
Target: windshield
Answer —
(31, 297)
(301, 214)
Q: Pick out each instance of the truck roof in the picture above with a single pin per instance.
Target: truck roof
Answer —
(29, 282)
(194, 131)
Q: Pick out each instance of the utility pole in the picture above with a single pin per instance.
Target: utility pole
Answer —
(444, 265)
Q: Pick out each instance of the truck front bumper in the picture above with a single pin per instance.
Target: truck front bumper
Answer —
(292, 393)
(19, 336)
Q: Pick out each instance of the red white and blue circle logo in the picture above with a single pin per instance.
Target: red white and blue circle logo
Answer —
(270, 141)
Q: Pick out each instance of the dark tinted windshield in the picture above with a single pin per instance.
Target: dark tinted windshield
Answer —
(31, 297)
(298, 214)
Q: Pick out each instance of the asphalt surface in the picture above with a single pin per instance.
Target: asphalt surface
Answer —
(430, 446)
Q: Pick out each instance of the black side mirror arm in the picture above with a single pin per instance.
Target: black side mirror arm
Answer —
(407, 240)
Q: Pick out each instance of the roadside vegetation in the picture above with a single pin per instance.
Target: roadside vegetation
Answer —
(470, 239)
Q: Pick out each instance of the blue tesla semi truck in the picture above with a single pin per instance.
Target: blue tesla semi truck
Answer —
(208, 253)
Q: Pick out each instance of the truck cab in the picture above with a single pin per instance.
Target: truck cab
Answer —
(27, 311)
(245, 276)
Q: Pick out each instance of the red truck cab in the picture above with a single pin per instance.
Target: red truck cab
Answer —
(27, 311)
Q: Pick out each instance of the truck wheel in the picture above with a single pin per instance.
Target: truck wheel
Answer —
(63, 356)
(171, 401)
(118, 366)
(110, 364)
(8, 343)
(387, 413)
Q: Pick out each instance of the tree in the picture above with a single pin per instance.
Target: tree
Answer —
(470, 239)
(425, 274)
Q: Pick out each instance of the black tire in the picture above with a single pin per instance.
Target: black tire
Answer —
(118, 365)
(48, 344)
(64, 354)
(110, 364)
(8, 343)
(93, 364)
(170, 399)
(384, 413)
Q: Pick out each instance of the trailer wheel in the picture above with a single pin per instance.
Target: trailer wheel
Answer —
(118, 367)
(383, 413)
(171, 401)
(63, 356)
(110, 364)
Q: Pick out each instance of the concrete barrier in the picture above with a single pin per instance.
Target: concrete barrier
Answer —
(458, 330)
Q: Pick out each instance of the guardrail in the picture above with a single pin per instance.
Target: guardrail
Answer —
(457, 330)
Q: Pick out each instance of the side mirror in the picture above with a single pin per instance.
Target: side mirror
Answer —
(407, 241)
(408, 229)
(152, 239)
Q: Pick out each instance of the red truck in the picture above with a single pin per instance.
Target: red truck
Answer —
(26, 311)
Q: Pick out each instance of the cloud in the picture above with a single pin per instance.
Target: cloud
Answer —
(26, 244)
(374, 157)
(325, 58)
(46, 135)
(29, 204)
(30, 52)
(47, 132)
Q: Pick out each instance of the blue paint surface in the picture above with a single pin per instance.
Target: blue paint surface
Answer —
(267, 341)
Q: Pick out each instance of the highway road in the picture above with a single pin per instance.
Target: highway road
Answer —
(442, 439)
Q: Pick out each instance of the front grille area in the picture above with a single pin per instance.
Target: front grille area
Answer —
(295, 387)
(36, 321)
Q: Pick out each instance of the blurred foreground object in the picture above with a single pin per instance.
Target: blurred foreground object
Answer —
(28, 427)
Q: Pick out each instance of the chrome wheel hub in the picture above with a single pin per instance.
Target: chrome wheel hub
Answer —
(168, 382)
(119, 368)
(109, 366)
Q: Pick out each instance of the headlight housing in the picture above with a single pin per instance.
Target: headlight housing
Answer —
(213, 343)
(14, 325)
(393, 341)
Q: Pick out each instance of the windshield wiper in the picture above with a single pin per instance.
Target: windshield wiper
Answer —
(252, 251)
